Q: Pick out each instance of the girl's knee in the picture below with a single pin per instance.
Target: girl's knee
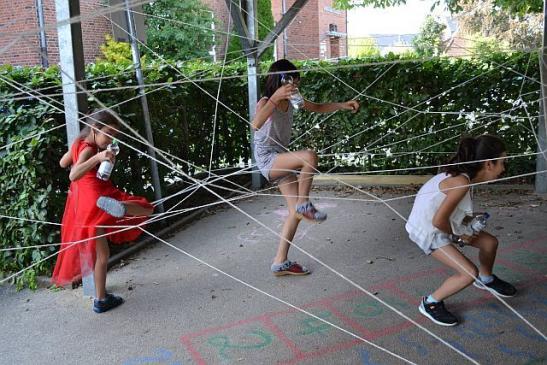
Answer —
(469, 274)
(488, 242)
(492, 243)
(311, 157)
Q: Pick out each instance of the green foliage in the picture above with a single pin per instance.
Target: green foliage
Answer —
(514, 6)
(185, 35)
(429, 41)
(521, 7)
(363, 47)
(518, 32)
(116, 52)
(29, 179)
(485, 46)
(391, 137)
(265, 25)
(34, 187)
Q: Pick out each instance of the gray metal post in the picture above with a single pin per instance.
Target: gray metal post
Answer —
(71, 56)
(252, 78)
(285, 38)
(43, 39)
(541, 161)
(71, 60)
(144, 102)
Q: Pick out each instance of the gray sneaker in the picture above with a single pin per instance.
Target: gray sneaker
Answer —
(112, 206)
(307, 211)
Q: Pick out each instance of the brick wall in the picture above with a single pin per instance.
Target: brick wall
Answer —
(307, 34)
(21, 16)
(335, 46)
(302, 35)
(18, 17)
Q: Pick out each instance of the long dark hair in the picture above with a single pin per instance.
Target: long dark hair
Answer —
(273, 82)
(483, 147)
(98, 119)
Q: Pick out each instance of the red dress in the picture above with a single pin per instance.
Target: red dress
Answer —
(81, 218)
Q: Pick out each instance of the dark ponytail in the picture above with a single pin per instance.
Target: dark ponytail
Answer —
(98, 119)
(483, 147)
(273, 81)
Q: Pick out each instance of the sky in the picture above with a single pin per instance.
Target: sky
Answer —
(404, 19)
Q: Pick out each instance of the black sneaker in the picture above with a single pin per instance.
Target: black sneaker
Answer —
(437, 313)
(497, 286)
(109, 302)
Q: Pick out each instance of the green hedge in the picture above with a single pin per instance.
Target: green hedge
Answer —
(34, 187)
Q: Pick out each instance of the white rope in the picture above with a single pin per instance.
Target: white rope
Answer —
(278, 299)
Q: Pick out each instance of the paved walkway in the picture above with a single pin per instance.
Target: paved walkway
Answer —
(178, 311)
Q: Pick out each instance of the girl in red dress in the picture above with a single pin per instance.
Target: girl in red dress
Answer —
(93, 205)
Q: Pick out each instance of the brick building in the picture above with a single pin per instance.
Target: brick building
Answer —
(317, 32)
(21, 16)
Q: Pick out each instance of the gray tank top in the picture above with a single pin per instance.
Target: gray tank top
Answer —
(277, 128)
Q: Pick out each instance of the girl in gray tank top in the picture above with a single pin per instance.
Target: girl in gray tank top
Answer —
(293, 171)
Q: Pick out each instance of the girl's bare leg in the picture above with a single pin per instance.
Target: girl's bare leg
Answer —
(135, 209)
(488, 247)
(289, 188)
(101, 265)
(304, 161)
(466, 271)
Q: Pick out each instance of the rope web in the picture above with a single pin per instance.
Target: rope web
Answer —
(137, 143)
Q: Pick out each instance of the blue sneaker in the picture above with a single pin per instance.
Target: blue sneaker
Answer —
(109, 302)
(307, 211)
(497, 286)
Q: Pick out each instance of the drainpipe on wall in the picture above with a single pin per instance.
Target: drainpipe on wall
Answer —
(347, 36)
(283, 11)
(42, 34)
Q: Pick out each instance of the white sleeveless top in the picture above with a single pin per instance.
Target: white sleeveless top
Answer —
(420, 226)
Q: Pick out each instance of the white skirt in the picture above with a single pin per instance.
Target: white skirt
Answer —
(433, 242)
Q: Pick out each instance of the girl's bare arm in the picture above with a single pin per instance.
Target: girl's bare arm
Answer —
(88, 160)
(352, 105)
(455, 189)
(66, 160)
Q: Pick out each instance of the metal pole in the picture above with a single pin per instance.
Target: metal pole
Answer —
(252, 78)
(541, 161)
(144, 102)
(214, 47)
(71, 60)
(43, 40)
(284, 10)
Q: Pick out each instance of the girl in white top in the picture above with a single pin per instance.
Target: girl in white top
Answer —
(273, 126)
(439, 218)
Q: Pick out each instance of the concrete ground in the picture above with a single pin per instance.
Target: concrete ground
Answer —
(178, 311)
